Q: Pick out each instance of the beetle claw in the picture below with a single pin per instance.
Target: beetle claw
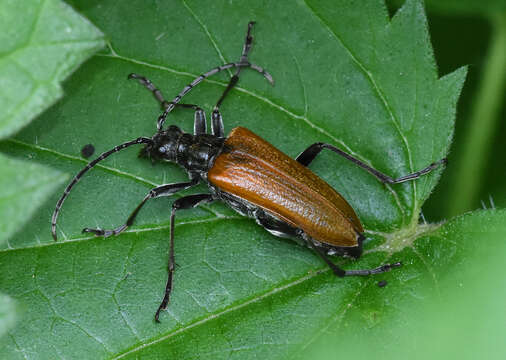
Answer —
(388, 267)
(97, 232)
(105, 233)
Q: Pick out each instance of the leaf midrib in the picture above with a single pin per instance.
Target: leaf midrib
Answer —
(275, 290)
(298, 280)
(110, 169)
(132, 230)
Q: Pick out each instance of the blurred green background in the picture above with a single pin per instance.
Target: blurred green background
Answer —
(471, 33)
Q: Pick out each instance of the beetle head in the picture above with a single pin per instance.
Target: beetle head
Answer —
(164, 145)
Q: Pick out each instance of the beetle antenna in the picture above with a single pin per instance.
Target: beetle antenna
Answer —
(172, 104)
(75, 180)
(242, 63)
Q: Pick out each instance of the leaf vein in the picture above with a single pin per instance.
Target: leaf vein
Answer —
(21, 350)
(374, 84)
(103, 167)
(269, 102)
(36, 23)
(302, 84)
(128, 231)
(339, 317)
(223, 312)
(429, 269)
(208, 34)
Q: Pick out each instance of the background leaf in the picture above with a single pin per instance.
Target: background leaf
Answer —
(424, 312)
(345, 75)
(472, 33)
(36, 54)
(458, 301)
(41, 42)
(7, 315)
(24, 186)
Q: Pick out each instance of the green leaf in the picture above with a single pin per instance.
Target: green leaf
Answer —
(41, 42)
(24, 186)
(458, 300)
(345, 74)
(427, 310)
(7, 316)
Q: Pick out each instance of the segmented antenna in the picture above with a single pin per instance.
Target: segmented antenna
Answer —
(200, 78)
(75, 180)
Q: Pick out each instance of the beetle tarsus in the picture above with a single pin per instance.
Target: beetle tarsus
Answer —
(97, 232)
(186, 202)
(166, 297)
(308, 155)
(379, 270)
(105, 233)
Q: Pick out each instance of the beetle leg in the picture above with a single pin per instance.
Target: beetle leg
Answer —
(200, 78)
(311, 152)
(157, 93)
(199, 123)
(341, 273)
(186, 202)
(248, 42)
(378, 270)
(276, 226)
(242, 63)
(150, 86)
(217, 124)
(80, 174)
(163, 190)
(336, 269)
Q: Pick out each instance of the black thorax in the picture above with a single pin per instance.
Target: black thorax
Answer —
(196, 153)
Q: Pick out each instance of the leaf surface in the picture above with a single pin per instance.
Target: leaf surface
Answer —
(424, 312)
(41, 42)
(7, 313)
(345, 74)
(24, 186)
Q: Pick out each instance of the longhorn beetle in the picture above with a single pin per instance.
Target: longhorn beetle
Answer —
(252, 177)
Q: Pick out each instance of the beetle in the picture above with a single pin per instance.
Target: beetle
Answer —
(250, 175)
